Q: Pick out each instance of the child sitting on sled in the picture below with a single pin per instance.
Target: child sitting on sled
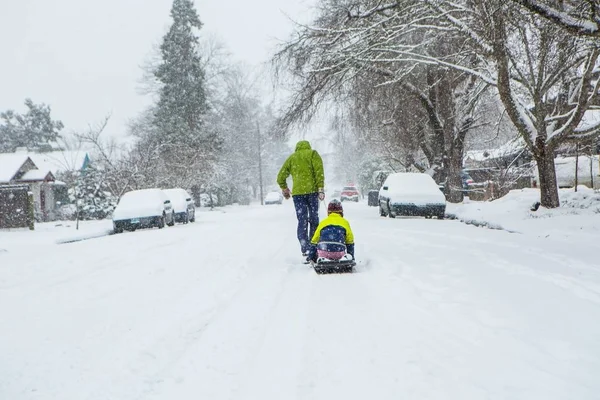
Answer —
(333, 237)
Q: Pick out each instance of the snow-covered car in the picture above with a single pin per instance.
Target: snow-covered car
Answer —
(183, 205)
(411, 194)
(349, 193)
(144, 208)
(274, 198)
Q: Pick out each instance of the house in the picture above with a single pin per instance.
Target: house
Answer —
(514, 161)
(61, 161)
(513, 153)
(48, 193)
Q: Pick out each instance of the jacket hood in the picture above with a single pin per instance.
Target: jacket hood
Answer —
(303, 145)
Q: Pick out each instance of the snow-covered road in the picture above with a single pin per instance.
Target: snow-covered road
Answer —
(222, 309)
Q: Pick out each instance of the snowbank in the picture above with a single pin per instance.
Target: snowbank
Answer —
(51, 233)
(578, 217)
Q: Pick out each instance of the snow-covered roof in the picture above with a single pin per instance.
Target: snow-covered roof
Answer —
(508, 149)
(10, 163)
(60, 161)
(37, 175)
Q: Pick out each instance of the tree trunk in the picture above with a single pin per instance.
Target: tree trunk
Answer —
(454, 189)
(454, 184)
(547, 172)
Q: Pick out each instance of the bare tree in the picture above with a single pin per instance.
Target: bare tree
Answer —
(580, 18)
(545, 79)
(353, 42)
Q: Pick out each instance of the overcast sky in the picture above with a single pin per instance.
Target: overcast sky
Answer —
(83, 57)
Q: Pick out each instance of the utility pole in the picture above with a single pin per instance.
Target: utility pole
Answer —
(260, 177)
(592, 166)
(576, 165)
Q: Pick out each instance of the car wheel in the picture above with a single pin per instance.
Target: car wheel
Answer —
(382, 212)
(161, 221)
(186, 220)
(117, 230)
(441, 216)
(193, 219)
(172, 220)
(390, 213)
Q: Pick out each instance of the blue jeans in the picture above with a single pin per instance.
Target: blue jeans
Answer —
(307, 212)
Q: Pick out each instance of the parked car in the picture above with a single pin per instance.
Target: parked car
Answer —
(412, 194)
(274, 197)
(183, 205)
(373, 198)
(144, 208)
(467, 183)
(349, 193)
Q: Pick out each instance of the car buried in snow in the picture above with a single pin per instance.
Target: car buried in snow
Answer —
(274, 197)
(183, 205)
(411, 194)
(145, 208)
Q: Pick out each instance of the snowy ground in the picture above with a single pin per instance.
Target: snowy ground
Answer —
(222, 309)
(578, 218)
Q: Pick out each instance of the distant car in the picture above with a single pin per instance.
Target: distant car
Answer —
(183, 205)
(467, 183)
(144, 208)
(349, 193)
(333, 193)
(274, 198)
(411, 194)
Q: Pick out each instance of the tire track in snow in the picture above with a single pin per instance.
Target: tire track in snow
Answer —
(228, 347)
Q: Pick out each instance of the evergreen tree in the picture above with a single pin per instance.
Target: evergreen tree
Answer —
(34, 130)
(186, 149)
(91, 194)
(182, 103)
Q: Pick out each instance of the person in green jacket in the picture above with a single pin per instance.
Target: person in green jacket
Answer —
(306, 168)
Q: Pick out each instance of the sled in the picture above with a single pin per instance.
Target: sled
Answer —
(327, 266)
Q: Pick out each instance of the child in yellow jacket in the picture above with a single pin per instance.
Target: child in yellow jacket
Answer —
(333, 237)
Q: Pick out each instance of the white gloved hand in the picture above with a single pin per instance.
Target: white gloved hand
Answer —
(321, 194)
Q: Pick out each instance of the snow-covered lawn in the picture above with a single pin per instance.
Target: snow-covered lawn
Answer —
(578, 218)
(51, 233)
(223, 309)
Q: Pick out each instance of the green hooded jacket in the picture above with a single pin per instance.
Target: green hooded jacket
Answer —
(306, 167)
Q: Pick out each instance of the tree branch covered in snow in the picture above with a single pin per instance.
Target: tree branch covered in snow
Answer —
(581, 18)
(402, 45)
